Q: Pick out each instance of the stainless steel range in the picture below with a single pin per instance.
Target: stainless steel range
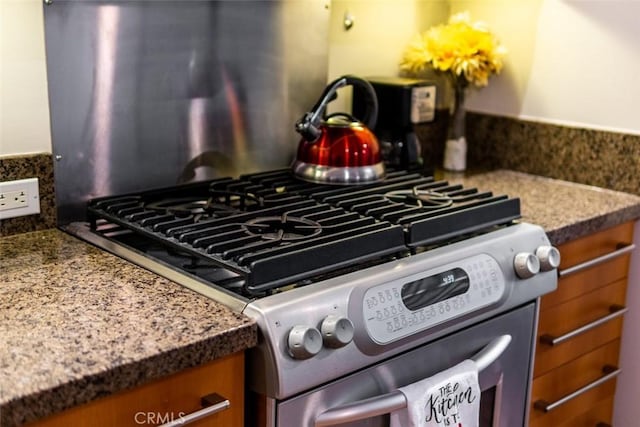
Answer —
(357, 290)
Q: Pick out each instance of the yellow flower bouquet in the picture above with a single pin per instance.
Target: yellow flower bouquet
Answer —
(468, 54)
(467, 51)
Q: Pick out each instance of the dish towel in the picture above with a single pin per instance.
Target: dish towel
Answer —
(450, 398)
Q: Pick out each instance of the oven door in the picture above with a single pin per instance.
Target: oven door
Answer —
(502, 347)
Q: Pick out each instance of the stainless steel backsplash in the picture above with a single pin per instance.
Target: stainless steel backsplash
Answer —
(145, 94)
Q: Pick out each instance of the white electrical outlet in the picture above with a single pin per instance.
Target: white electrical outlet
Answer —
(19, 198)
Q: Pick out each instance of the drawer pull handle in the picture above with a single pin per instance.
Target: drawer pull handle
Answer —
(213, 403)
(609, 371)
(616, 311)
(603, 425)
(598, 260)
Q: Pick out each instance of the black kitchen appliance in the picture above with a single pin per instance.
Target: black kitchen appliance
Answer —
(403, 103)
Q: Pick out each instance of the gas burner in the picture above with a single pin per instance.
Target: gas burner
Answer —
(235, 199)
(428, 199)
(220, 204)
(282, 228)
(192, 206)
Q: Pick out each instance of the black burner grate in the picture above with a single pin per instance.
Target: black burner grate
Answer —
(271, 229)
(430, 211)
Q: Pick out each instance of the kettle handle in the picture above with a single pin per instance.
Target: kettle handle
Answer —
(370, 117)
(308, 125)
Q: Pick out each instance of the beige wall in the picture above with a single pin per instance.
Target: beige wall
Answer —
(569, 62)
(24, 108)
(381, 30)
(515, 23)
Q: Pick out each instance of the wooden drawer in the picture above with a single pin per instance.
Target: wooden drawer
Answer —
(595, 245)
(599, 414)
(165, 400)
(573, 286)
(573, 378)
(598, 314)
(605, 244)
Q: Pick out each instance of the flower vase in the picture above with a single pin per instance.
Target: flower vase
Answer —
(455, 151)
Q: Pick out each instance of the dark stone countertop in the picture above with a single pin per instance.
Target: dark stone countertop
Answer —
(566, 210)
(78, 323)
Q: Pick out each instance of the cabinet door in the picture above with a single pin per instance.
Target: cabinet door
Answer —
(598, 314)
(167, 399)
(579, 331)
(609, 246)
(573, 389)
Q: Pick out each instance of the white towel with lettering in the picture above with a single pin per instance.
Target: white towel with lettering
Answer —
(450, 398)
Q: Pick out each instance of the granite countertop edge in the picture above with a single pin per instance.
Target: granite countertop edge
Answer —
(595, 224)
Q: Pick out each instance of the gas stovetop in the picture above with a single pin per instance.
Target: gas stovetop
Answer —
(262, 233)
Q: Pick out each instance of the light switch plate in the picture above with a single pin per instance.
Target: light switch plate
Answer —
(19, 198)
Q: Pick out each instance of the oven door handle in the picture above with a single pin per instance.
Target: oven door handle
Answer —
(390, 402)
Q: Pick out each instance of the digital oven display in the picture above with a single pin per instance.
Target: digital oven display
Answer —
(405, 306)
(439, 287)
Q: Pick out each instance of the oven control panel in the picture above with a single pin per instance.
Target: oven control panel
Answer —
(400, 308)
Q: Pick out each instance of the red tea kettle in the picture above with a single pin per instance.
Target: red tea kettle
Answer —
(339, 149)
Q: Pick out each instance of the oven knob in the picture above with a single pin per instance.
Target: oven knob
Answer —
(304, 342)
(526, 265)
(549, 257)
(336, 331)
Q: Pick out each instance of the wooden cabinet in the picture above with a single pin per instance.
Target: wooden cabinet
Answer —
(167, 399)
(579, 329)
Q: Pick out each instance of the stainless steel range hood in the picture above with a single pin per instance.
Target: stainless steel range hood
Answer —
(146, 94)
